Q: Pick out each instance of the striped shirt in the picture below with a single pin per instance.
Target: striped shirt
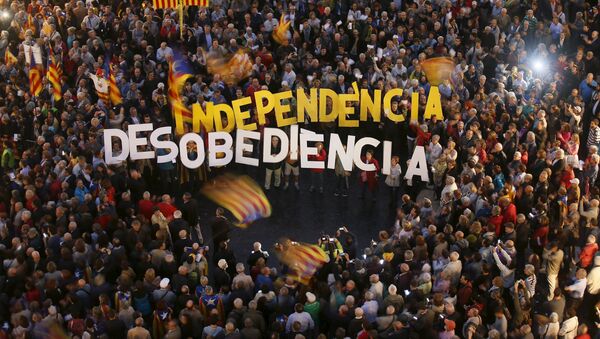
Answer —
(594, 137)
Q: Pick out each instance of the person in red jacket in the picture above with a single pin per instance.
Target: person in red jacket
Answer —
(509, 211)
(368, 179)
(589, 251)
(540, 235)
(146, 206)
(495, 221)
(316, 174)
(166, 207)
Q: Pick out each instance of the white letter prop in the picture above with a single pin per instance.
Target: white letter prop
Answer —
(241, 147)
(135, 142)
(213, 149)
(358, 150)
(306, 150)
(108, 151)
(337, 148)
(197, 139)
(165, 144)
(284, 141)
(418, 165)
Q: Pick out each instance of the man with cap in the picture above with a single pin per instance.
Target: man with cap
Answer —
(164, 293)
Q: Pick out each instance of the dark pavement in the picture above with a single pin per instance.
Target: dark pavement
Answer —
(303, 216)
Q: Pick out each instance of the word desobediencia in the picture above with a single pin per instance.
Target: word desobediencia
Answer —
(220, 149)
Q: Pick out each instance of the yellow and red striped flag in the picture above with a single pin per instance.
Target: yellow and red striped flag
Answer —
(180, 111)
(241, 195)
(9, 58)
(29, 24)
(35, 76)
(302, 259)
(114, 91)
(174, 3)
(54, 78)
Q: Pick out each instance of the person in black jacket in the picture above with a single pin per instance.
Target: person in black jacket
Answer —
(220, 228)
(222, 278)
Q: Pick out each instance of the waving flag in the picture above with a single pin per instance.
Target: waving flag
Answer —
(54, 77)
(9, 58)
(241, 196)
(174, 3)
(114, 91)
(35, 77)
(232, 69)
(438, 69)
(280, 33)
(302, 259)
(177, 79)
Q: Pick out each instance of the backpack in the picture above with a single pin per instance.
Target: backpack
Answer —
(142, 305)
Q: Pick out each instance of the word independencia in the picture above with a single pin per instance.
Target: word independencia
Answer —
(319, 105)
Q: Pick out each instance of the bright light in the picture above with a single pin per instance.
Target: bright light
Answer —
(5, 15)
(539, 65)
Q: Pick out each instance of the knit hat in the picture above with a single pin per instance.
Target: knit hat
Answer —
(450, 324)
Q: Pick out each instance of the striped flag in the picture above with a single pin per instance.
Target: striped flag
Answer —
(174, 3)
(302, 259)
(9, 58)
(54, 77)
(114, 91)
(35, 76)
(29, 24)
(176, 80)
(241, 196)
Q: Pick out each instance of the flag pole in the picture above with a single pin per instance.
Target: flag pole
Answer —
(181, 19)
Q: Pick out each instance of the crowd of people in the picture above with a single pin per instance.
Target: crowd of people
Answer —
(507, 248)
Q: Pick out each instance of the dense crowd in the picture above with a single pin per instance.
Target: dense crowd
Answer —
(507, 249)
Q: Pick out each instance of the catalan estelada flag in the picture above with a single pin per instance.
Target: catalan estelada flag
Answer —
(54, 78)
(241, 195)
(175, 82)
(303, 260)
(113, 90)
(174, 3)
(35, 77)
(9, 58)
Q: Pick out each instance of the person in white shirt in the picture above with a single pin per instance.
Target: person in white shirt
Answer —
(568, 329)
(164, 52)
(271, 23)
(550, 330)
(577, 288)
(593, 278)
(435, 149)
(305, 320)
(393, 180)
